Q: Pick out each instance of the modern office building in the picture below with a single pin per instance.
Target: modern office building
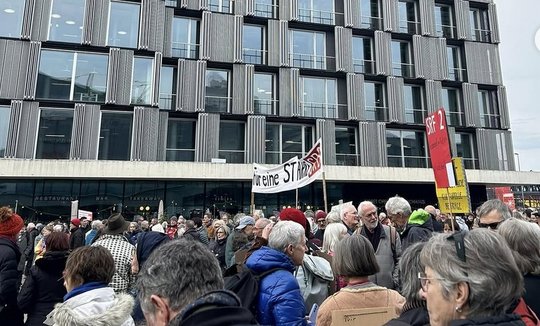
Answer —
(126, 103)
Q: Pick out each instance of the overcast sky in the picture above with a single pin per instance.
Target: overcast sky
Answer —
(519, 23)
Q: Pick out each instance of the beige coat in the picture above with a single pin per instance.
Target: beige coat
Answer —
(366, 295)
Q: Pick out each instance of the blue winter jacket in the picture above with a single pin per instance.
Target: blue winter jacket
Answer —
(280, 301)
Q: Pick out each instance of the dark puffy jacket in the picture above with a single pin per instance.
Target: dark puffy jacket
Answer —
(44, 287)
(279, 301)
(532, 292)
(9, 259)
(76, 239)
(415, 314)
(416, 233)
(504, 320)
(147, 242)
(218, 249)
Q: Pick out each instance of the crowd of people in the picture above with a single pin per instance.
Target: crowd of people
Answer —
(409, 266)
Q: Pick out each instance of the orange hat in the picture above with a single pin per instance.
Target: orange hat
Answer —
(10, 223)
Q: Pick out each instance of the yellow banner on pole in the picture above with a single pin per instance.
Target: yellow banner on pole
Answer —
(455, 199)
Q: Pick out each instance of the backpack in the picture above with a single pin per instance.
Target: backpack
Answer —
(315, 277)
(245, 285)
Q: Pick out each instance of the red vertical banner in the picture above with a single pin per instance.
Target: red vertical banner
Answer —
(439, 149)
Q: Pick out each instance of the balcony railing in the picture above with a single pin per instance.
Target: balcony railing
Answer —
(224, 6)
(171, 3)
(490, 120)
(186, 155)
(254, 56)
(407, 161)
(368, 22)
(232, 156)
(265, 10)
(312, 61)
(446, 31)
(324, 110)
(470, 163)
(317, 16)
(457, 74)
(415, 115)
(265, 106)
(409, 27)
(217, 104)
(167, 101)
(481, 35)
(347, 159)
(403, 69)
(273, 157)
(376, 113)
(185, 50)
(455, 118)
(364, 66)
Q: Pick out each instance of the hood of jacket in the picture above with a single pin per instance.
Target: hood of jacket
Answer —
(98, 307)
(147, 242)
(426, 225)
(53, 262)
(267, 258)
(5, 241)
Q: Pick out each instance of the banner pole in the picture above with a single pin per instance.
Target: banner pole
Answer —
(450, 208)
(296, 201)
(252, 204)
(324, 192)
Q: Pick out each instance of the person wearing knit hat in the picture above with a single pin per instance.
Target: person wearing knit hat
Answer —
(418, 229)
(293, 214)
(77, 236)
(10, 225)
(320, 219)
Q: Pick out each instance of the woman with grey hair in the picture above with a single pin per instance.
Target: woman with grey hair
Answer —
(354, 259)
(524, 240)
(470, 279)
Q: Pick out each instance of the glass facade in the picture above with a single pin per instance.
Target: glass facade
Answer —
(451, 99)
(285, 141)
(316, 11)
(408, 16)
(5, 112)
(308, 49)
(489, 111)
(217, 91)
(66, 21)
(54, 134)
(167, 88)
(185, 38)
(456, 67)
(375, 102)
(264, 94)
(479, 25)
(141, 86)
(180, 140)
(444, 21)
(232, 141)
(225, 6)
(254, 45)
(362, 56)
(406, 149)
(320, 97)
(466, 148)
(123, 24)
(115, 136)
(346, 149)
(11, 16)
(266, 8)
(402, 64)
(413, 104)
(370, 14)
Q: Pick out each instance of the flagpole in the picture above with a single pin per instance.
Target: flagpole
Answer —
(252, 204)
(296, 203)
(324, 192)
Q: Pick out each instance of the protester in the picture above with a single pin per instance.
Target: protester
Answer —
(76, 239)
(349, 217)
(333, 234)
(398, 211)
(242, 234)
(201, 228)
(44, 287)
(470, 279)
(32, 233)
(492, 213)
(355, 260)
(89, 301)
(41, 246)
(172, 228)
(191, 232)
(90, 235)
(320, 218)
(419, 228)
(437, 225)
(447, 226)
(218, 244)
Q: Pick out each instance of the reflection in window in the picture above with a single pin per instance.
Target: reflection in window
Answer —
(225, 6)
(489, 110)
(466, 148)
(266, 8)
(217, 91)
(11, 16)
(402, 65)
(502, 154)
(231, 141)
(408, 17)
(370, 14)
(54, 135)
(264, 94)
(167, 88)
(308, 49)
(185, 38)
(451, 99)
(141, 87)
(320, 97)
(444, 21)
(316, 11)
(413, 104)
(363, 60)
(456, 69)
(72, 76)
(406, 149)
(123, 24)
(66, 21)
(284, 142)
(180, 140)
(479, 25)
(346, 151)
(253, 43)
(115, 136)
(375, 102)
(5, 112)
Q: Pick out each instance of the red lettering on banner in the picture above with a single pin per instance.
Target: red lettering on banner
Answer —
(314, 158)
(439, 146)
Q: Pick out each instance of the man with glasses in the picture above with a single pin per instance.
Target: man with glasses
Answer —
(386, 245)
(320, 218)
(492, 213)
(349, 217)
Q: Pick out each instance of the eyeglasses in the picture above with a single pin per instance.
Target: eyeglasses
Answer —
(492, 226)
(353, 213)
(321, 221)
(459, 240)
(426, 281)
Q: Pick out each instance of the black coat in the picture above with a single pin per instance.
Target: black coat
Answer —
(504, 320)
(412, 314)
(9, 259)
(218, 248)
(532, 292)
(44, 287)
(192, 234)
(76, 239)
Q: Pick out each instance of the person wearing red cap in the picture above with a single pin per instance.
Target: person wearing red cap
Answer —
(320, 219)
(10, 225)
(76, 238)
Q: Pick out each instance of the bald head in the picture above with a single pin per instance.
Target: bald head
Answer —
(431, 210)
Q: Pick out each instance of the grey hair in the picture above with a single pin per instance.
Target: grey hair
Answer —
(159, 274)
(495, 205)
(333, 217)
(343, 208)
(263, 222)
(397, 205)
(286, 233)
(190, 224)
(490, 270)
(58, 228)
(259, 213)
(524, 240)
(225, 229)
(409, 267)
(96, 225)
(361, 206)
(355, 256)
(332, 235)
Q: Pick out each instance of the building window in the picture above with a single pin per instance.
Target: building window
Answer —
(231, 141)
(72, 76)
(180, 140)
(413, 105)
(284, 142)
(370, 14)
(479, 25)
(185, 38)
(141, 85)
(406, 149)
(5, 113)
(363, 60)
(225, 6)
(466, 148)
(316, 11)
(489, 110)
(266, 8)
(115, 136)
(402, 65)
(346, 149)
(308, 49)
(451, 99)
(502, 155)
(11, 16)
(409, 21)
(66, 21)
(167, 88)
(320, 97)
(54, 134)
(254, 51)
(375, 102)
(445, 25)
(264, 94)
(217, 91)
(456, 70)
(123, 24)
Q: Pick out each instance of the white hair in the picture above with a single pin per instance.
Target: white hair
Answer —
(397, 205)
(286, 233)
(332, 235)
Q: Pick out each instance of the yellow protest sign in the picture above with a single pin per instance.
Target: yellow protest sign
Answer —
(455, 199)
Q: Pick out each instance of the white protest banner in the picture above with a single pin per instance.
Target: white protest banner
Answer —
(293, 174)
(86, 214)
